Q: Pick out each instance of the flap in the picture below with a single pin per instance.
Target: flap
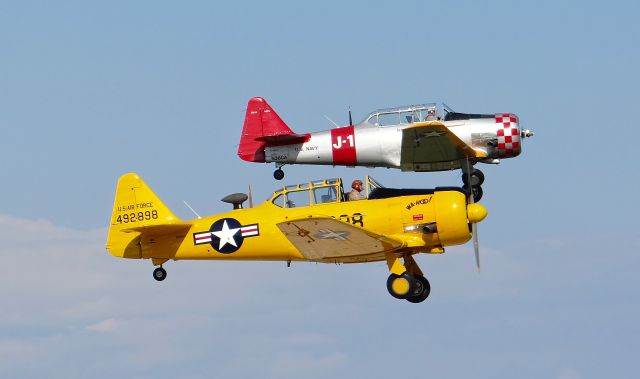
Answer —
(433, 142)
(323, 237)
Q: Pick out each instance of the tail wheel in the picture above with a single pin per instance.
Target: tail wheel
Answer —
(401, 286)
(421, 292)
(159, 274)
(278, 174)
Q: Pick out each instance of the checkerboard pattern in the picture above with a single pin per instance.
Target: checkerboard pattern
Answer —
(508, 135)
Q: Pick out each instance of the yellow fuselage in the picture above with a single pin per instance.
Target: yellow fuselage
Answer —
(400, 218)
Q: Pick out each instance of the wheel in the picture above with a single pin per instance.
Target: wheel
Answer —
(400, 286)
(422, 291)
(159, 274)
(477, 178)
(475, 190)
(278, 174)
(477, 193)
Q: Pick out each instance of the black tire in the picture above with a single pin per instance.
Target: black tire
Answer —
(477, 193)
(477, 178)
(405, 279)
(422, 291)
(278, 174)
(159, 274)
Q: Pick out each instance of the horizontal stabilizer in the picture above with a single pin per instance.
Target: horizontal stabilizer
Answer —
(285, 139)
(160, 230)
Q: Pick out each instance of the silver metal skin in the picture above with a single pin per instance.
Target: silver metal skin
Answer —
(378, 140)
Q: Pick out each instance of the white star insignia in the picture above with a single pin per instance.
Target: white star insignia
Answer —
(328, 234)
(433, 134)
(226, 235)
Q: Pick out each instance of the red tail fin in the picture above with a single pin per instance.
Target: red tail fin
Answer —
(263, 127)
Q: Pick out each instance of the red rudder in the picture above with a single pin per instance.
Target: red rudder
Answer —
(260, 121)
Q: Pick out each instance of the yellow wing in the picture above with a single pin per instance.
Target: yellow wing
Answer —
(432, 146)
(325, 238)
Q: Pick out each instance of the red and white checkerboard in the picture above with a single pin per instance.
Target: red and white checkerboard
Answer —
(508, 135)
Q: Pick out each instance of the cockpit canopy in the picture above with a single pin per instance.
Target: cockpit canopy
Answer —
(408, 114)
(316, 192)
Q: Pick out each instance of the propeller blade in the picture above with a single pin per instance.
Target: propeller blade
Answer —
(476, 245)
(470, 200)
(250, 197)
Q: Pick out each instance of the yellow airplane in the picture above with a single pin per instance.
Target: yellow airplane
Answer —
(306, 222)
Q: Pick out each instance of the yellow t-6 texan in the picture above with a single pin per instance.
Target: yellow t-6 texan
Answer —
(305, 222)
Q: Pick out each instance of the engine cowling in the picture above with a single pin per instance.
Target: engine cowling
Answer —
(453, 215)
(508, 135)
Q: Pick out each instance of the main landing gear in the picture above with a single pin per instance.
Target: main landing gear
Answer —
(415, 289)
(476, 177)
(406, 280)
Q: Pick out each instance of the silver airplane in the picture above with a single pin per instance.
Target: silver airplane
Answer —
(420, 138)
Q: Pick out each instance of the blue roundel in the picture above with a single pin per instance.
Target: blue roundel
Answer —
(226, 235)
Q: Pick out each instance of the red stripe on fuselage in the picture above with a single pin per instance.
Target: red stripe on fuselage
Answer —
(343, 146)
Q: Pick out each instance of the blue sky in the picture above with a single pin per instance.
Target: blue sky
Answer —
(91, 90)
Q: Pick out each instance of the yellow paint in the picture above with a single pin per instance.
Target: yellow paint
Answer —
(400, 286)
(134, 199)
(395, 265)
(152, 231)
(451, 218)
(476, 212)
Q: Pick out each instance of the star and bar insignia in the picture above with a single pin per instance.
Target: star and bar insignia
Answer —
(328, 234)
(226, 235)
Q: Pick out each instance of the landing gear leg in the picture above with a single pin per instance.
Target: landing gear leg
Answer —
(473, 176)
(159, 274)
(278, 174)
(407, 281)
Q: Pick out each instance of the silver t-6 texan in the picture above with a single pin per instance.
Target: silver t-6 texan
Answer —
(424, 137)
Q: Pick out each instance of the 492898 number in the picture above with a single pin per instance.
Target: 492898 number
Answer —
(135, 217)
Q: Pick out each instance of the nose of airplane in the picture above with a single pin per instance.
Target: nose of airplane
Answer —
(476, 212)
(508, 133)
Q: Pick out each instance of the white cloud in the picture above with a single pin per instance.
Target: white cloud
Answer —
(68, 300)
(103, 326)
(68, 304)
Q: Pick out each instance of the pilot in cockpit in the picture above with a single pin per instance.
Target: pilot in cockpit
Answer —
(357, 188)
(431, 115)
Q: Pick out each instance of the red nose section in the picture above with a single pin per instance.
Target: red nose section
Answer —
(509, 143)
